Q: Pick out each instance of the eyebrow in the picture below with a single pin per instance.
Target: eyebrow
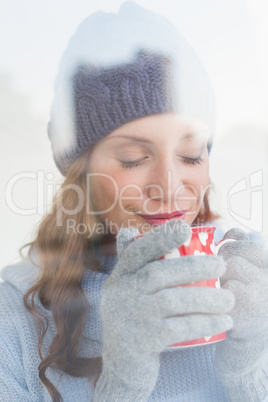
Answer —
(187, 136)
(131, 138)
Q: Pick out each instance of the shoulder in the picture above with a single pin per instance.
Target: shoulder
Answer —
(16, 280)
(18, 338)
(11, 302)
(16, 323)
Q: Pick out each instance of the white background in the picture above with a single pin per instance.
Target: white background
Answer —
(231, 38)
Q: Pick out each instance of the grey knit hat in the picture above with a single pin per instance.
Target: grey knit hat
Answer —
(118, 68)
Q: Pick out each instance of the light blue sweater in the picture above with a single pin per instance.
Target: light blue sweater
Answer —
(185, 374)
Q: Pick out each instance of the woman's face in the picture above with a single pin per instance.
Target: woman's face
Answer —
(149, 170)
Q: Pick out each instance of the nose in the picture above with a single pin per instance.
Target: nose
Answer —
(166, 182)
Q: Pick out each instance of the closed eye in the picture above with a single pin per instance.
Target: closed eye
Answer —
(133, 163)
(192, 161)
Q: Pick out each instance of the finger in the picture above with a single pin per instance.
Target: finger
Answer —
(178, 271)
(124, 237)
(253, 252)
(236, 234)
(239, 269)
(192, 300)
(250, 308)
(156, 243)
(194, 326)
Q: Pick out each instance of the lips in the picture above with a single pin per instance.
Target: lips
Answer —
(158, 219)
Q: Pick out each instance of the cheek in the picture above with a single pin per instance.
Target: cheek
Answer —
(103, 191)
(203, 183)
(197, 184)
(197, 176)
(129, 183)
(200, 177)
(109, 190)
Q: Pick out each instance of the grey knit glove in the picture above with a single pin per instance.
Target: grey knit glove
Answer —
(139, 307)
(242, 359)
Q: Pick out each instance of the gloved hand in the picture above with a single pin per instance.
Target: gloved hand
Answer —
(242, 359)
(139, 307)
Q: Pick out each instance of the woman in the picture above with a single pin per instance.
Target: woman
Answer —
(89, 313)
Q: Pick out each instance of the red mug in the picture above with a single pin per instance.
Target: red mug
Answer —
(200, 243)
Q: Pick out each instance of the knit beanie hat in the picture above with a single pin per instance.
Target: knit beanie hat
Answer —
(118, 68)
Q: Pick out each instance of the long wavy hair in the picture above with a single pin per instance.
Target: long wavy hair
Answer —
(64, 256)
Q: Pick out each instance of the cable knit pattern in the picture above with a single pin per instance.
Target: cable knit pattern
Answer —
(110, 97)
(121, 67)
(185, 374)
(107, 98)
